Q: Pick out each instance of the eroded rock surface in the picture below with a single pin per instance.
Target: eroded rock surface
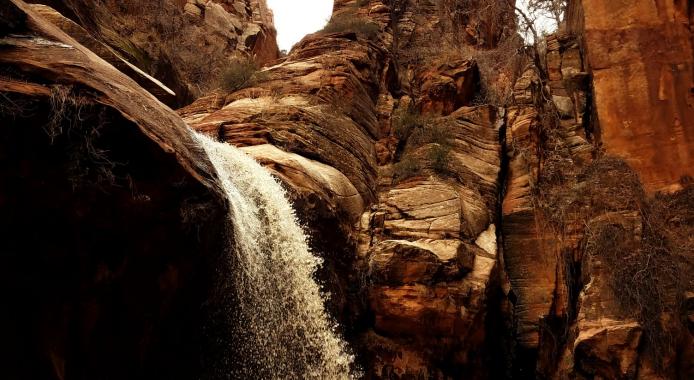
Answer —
(184, 44)
(641, 58)
(460, 239)
(112, 219)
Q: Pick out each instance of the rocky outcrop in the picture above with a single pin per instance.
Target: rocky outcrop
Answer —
(324, 121)
(112, 219)
(430, 248)
(185, 45)
(578, 230)
(82, 36)
(311, 119)
(647, 47)
(523, 239)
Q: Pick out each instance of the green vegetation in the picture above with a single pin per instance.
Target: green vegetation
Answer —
(352, 23)
(406, 168)
(405, 122)
(415, 130)
(432, 133)
(240, 74)
(439, 158)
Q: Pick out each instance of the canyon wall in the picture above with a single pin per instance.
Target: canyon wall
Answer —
(642, 63)
(184, 44)
(112, 220)
(599, 266)
(482, 209)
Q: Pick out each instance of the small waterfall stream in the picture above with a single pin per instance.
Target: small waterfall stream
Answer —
(282, 329)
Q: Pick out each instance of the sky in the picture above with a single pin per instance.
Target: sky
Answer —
(296, 18)
(543, 23)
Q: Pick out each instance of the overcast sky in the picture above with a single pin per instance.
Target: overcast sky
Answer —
(296, 18)
(543, 23)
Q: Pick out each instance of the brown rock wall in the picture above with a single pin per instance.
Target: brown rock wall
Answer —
(112, 225)
(640, 54)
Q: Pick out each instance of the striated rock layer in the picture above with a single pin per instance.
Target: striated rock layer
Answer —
(597, 272)
(111, 219)
(184, 44)
(481, 213)
(411, 263)
(642, 63)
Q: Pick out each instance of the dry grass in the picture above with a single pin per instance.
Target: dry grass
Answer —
(240, 74)
(499, 68)
(78, 121)
(414, 131)
(650, 275)
(439, 158)
(349, 22)
(649, 267)
(406, 121)
(164, 41)
(16, 107)
(66, 111)
(407, 167)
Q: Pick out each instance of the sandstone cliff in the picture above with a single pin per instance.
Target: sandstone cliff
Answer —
(484, 210)
(185, 45)
(112, 218)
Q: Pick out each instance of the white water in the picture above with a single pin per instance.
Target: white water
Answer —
(282, 330)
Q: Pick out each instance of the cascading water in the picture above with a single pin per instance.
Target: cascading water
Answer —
(282, 330)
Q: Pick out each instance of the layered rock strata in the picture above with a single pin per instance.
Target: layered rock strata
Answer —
(522, 239)
(642, 63)
(112, 219)
(592, 295)
(426, 257)
(185, 45)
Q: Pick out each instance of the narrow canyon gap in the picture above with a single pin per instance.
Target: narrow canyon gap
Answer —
(297, 18)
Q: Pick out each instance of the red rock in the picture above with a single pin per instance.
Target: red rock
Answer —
(640, 54)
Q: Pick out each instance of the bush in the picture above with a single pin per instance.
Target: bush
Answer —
(405, 122)
(432, 134)
(647, 268)
(239, 75)
(352, 23)
(406, 168)
(647, 277)
(420, 129)
(439, 158)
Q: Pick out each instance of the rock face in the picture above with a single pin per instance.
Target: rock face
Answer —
(578, 226)
(425, 245)
(185, 45)
(648, 48)
(112, 219)
(479, 216)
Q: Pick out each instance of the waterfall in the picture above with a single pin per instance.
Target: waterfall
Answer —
(282, 330)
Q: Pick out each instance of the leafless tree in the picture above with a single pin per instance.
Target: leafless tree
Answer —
(552, 8)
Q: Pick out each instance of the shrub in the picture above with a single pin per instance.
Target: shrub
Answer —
(646, 276)
(647, 270)
(406, 168)
(420, 129)
(439, 158)
(432, 134)
(239, 75)
(405, 122)
(352, 23)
